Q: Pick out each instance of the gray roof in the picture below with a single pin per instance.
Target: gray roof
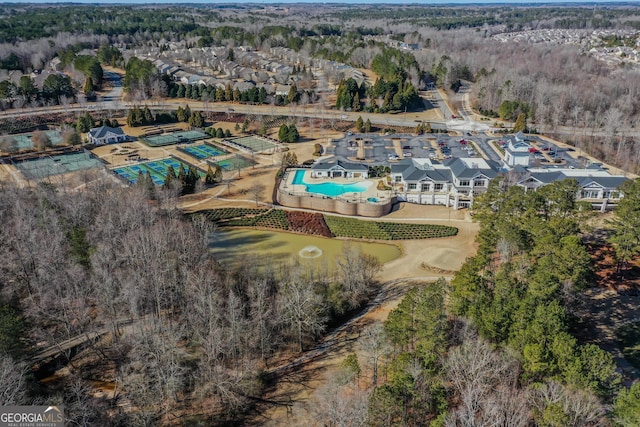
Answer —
(460, 169)
(548, 177)
(401, 165)
(583, 181)
(604, 181)
(411, 171)
(349, 166)
(104, 131)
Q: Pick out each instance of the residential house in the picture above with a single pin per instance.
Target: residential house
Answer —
(106, 135)
(597, 186)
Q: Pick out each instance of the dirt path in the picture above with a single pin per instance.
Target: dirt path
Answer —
(298, 380)
(604, 312)
(422, 261)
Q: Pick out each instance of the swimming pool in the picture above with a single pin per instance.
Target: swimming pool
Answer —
(330, 189)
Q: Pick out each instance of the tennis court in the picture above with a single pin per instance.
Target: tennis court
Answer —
(254, 143)
(173, 138)
(234, 163)
(203, 151)
(44, 167)
(157, 169)
(23, 141)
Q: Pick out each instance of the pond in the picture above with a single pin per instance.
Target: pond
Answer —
(228, 245)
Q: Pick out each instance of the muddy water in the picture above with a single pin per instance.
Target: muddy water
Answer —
(231, 245)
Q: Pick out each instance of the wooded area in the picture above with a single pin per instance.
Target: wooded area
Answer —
(78, 264)
(119, 287)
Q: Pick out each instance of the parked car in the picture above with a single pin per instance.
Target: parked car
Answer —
(406, 147)
(533, 150)
(463, 142)
(408, 154)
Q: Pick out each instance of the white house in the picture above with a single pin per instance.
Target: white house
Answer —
(339, 169)
(597, 186)
(106, 135)
(452, 183)
(516, 152)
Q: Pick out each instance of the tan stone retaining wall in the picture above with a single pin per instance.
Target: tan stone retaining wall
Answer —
(341, 206)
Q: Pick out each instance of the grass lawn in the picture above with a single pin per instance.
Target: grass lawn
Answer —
(629, 340)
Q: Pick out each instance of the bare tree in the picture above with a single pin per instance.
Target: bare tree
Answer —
(13, 384)
(357, 272)
(475, 371)
(578, 408)
(335, 405)
(302, 309)
(8, 144)
(375, 347)
(40, 140)
(257, 190)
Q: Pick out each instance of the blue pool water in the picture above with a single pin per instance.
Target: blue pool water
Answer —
(330, 189)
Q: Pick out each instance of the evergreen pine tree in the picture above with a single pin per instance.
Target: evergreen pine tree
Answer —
(283, 133)
(147, 117)
(521, 123)
(293, 135)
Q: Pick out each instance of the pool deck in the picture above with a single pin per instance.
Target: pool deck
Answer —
(360, 196)
(349, 203)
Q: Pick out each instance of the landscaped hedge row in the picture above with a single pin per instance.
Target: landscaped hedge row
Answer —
(274, 218)
(222, 214)
(350, 227)
(325, 225)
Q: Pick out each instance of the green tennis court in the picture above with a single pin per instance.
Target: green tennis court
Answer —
(234, 163)
(157, 169)
(57, 165)
(23, 141)
(254, 143)
(173, 138)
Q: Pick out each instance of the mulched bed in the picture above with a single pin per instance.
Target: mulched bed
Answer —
(308, 223)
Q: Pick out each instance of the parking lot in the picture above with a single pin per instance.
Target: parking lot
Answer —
(384, 149)
(374, 149)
